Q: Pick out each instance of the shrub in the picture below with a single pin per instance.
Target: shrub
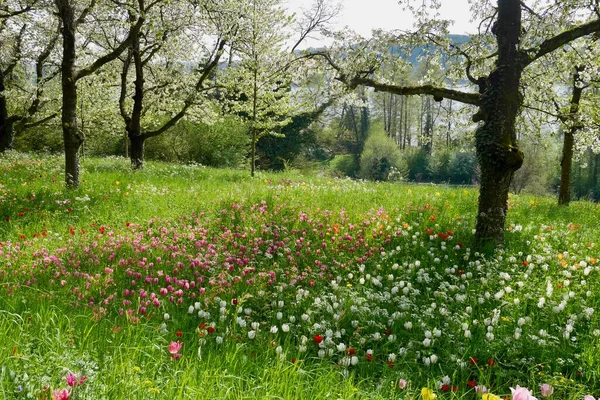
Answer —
(462, 169)
(222, 144)
(440, 165)
(418, 163)
(344, 165)
(379, 156)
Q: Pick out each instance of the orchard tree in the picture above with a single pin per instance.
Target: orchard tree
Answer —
(163, 49)
(72, 15)
(499, 96)
(31, 43)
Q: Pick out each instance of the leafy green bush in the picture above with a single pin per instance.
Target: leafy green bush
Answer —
(463, 168)
(222, 144)
(344, 165)
(418, 163)
(379, 156)
(440, 165)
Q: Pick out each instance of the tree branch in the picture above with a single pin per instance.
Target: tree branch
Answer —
(210, 67)
(553, 43)
(114, 53)
(437, 92)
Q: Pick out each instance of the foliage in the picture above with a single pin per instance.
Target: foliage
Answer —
(418, 163)
(379, 156)
(540, 169)
(221, 144)
(345, 165)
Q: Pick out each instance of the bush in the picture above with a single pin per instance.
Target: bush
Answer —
(379, 156)
(418, 163)
(344, 165)
(440, 165)
(463, 168)
(222, 144)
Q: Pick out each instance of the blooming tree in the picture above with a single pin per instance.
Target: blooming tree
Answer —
(523, 36)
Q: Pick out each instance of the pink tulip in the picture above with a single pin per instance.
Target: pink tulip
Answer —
(521, 393)
(402, 383)
(61, 394)
(546, 390)
(73, 380)
(174, 347)
(589, 397)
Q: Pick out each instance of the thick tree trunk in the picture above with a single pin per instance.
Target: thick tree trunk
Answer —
(73, 139)
(6, 123)
(136, 151)
(497, 151)
(566, 163)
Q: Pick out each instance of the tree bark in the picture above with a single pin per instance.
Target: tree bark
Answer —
(496, 143)
(134, 129)
(6, 125)
(566, 163)
(136, 151)
(72, 137)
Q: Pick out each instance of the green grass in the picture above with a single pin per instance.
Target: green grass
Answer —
(253, 271)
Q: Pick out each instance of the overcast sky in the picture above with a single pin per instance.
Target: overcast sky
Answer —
(364, 15)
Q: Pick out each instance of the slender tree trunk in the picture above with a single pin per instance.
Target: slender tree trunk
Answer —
(135, 122)
(497, 151)
(428, 128)
(73, 139)
(254, 113)
(566, 163)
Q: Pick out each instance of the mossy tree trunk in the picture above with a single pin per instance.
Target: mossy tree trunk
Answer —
(496, 140)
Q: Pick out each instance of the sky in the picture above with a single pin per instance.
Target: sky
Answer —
(364, 15)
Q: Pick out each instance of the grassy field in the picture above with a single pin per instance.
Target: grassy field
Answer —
(187, 282)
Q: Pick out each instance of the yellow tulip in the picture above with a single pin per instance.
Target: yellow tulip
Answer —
(489, 396)
(427, 394)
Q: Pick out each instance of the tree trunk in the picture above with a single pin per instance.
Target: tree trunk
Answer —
(135, 122)
(73, 139)
(136, 151)
(566, 163)
(496, 143)
(6, 123)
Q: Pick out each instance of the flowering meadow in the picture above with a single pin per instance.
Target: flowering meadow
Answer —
(187, 282)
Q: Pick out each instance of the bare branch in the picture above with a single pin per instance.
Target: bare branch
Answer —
(315, 19)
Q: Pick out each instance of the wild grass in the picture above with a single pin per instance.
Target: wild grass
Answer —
(287, 286)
